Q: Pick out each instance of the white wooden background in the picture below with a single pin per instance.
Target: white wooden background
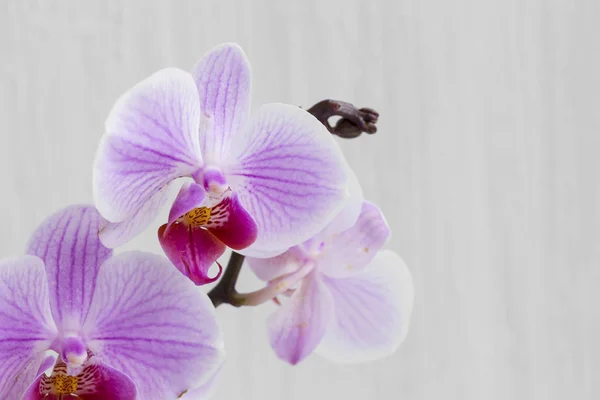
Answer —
(486, 165)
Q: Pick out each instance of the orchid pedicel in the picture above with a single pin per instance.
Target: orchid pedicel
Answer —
(77, 322)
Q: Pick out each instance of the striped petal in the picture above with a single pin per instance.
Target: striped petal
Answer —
(290, 176)
(153, 325)
(26, 325)
(223, 80)
(68, 244)
(116, 234)
(296, 329)
(151, 139)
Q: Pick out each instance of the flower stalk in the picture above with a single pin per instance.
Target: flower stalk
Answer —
(224, 292)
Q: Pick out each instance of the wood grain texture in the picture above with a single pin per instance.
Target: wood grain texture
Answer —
(486, 165)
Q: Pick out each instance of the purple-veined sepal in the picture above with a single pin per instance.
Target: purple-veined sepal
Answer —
(296, 329)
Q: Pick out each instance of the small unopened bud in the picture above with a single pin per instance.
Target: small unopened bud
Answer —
(353, 121)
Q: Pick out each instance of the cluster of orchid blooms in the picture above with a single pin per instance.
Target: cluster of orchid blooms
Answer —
(77, 322)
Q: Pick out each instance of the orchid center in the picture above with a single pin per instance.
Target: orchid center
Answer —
(213, 208)
(213, 180)
(313, 248)
(217, 192)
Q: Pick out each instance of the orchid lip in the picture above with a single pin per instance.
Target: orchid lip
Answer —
(94, 379)
(202, 225)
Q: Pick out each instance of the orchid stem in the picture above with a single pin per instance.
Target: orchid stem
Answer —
(352, 123)
(225, 292)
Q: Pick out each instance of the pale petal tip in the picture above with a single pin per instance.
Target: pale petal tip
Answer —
(233, 46)
(229, 47)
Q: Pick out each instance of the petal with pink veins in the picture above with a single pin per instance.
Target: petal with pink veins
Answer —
(372, 311)
(154, 325)
(289, 174)
(151, 139)
(26, 325)
(116, 234)
(68, 244)
(297, 327)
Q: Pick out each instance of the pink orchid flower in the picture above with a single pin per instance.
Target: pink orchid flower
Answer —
(123, 327)
(346, 299)
(259, 184)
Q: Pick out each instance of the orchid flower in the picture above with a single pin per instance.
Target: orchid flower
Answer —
(348, 301)
(258, 185)
(121, 328)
